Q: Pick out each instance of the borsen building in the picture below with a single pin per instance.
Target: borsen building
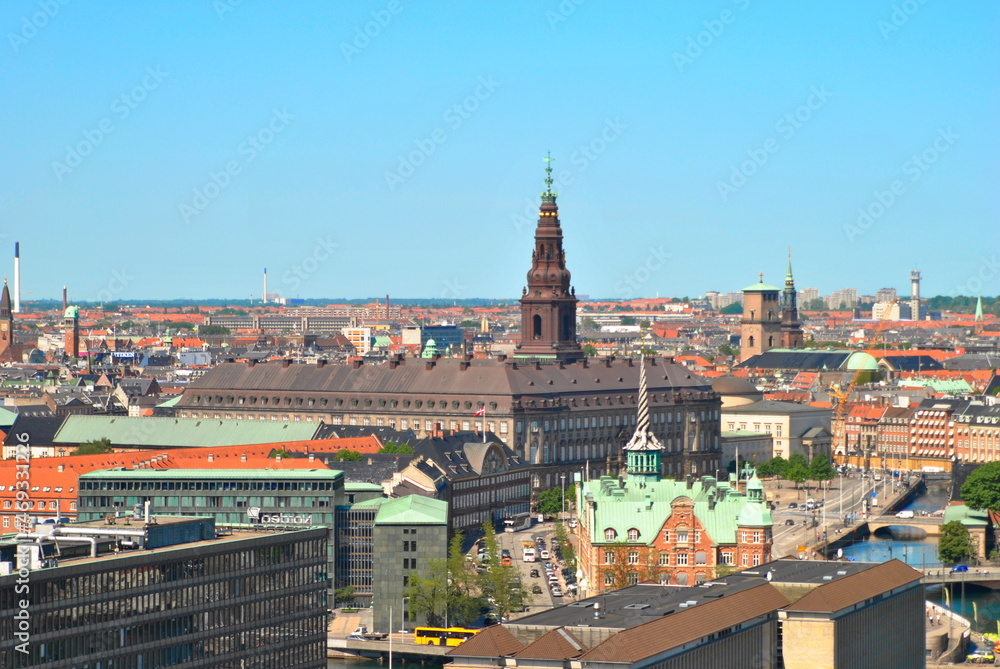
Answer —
(553, 406)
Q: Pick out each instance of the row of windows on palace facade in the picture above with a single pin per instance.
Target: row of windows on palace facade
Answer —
(683, 536)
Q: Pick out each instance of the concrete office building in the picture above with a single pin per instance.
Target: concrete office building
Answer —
(232, 497)
(200, 599)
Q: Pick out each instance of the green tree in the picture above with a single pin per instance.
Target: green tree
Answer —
(589, 323)
(95, 447)
(726, 349)
(820, 469)
(954, 544)
(774, 467)
(627, 320)
(428, 591)
(550, 502)
(589, 350)
(463, 600)
(498, 583)
(393, 447)
(209, 330)
(347, 455)
(567, 547)
(796, 470)
(280, 453)
(981, 489)
(343, 596)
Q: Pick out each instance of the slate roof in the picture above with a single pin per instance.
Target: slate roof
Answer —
(161, 432)
(772, 407)
(911, 363)
(460, 455)
(806, 360)
(384, 434)
(41, 430)
(374, 468)
(446, 376)
(852, 589)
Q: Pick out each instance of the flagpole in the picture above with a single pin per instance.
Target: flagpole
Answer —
(484, 422)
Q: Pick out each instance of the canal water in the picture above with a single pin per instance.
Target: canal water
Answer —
(373, 664)
(979, 605)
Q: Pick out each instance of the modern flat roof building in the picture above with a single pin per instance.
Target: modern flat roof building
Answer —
(786, 613)
(200, 599)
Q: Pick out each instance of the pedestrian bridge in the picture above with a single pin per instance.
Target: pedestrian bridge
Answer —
(931, 525)
(988, 577)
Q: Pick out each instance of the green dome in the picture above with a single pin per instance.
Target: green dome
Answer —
(430, 349)
(72, 311)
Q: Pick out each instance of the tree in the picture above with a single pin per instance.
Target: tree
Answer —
(462, 600)
(820, 469)
(629, 564)
(498, 583)
(550, 502)
(774, 467)
(627, 320)
(393, 447)
(589, 323)
(95, 447)
(726, 349)
(343, 596)
(280, 453)
(954, 544)
(981, 489)
(209, 330)
(796, 470)
(347, 455)
(428, 592)
(589, 350)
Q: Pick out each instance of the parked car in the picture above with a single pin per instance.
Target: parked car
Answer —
(557, 592)
(793, 505)
(536, 589)
(533, 573)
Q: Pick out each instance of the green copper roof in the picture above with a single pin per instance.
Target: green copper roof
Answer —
(647, 508)
(760, 287)
(72, 311)
(861, 360)
(160, 432)
(120, 473)
(7, 418)
(352, 486)
(169, 403)
(413, 510)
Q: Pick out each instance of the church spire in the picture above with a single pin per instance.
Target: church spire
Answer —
(788, 274)
(979, 308)
(5, 304)
(548, 303)
(643, 449)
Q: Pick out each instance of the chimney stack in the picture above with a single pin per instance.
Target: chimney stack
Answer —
(17, 277)
(65, 299)
(264, 296)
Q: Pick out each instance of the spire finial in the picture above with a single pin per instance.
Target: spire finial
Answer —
(548, 195)
(788, 275)
(760, 277)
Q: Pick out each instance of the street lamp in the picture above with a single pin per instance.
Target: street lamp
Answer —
(402, 617)
(563, 477)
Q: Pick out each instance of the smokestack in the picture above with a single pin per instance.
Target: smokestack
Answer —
(914, 295)
(17, 277)
(264, 296)
(387, 307)
(65, 301)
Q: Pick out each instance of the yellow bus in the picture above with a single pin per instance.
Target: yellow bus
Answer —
(442, 636)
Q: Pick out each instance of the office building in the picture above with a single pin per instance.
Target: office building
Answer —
(156, 591)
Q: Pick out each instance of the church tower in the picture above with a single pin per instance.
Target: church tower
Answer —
(643, 451)
(71, 332)
(6, 324)
(791, 326)
(548, 302)
(760, 327)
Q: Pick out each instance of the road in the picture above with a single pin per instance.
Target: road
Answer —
(512, 542)
(787, 538)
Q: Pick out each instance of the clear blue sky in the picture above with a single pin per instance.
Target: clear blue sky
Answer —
(651, 110)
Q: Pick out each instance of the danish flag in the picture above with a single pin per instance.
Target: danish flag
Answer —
(481, 412)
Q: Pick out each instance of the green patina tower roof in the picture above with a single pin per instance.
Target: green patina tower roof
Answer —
(412, 510)
(430, 349)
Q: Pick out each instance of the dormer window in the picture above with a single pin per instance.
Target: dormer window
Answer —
(633, 534)
(610, 534)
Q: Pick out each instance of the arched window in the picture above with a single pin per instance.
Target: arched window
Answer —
(610, 534)
(633, 534)
(750, 340)
(536, 326)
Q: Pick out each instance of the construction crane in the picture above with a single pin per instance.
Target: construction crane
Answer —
(840, 410)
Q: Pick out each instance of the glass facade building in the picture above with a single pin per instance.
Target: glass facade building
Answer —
(248, 599)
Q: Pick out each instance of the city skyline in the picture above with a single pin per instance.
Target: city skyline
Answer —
(340, 146)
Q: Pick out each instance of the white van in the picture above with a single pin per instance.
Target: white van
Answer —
(905, 514)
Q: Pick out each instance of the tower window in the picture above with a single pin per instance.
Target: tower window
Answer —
(536, 326)
(750, 340)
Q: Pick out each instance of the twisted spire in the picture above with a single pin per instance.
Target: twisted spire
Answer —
(643, 439)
